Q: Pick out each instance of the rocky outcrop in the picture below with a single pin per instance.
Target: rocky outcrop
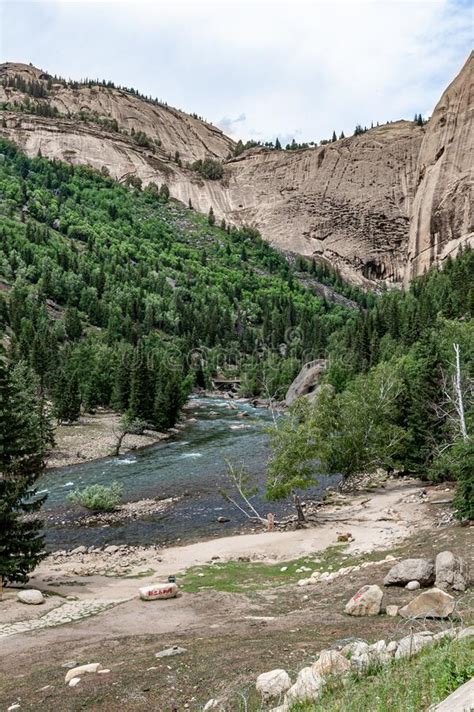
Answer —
(443, 210)
(381, 206)
(306, 382)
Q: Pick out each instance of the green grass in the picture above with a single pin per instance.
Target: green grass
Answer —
(406, 685)
(242, 576)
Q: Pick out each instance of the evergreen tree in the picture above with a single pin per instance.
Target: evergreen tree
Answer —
(334, 137)
(66, 396)
(211, 218)
(277, 144)
(22, 449)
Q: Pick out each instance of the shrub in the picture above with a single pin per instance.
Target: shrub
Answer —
(208, 168)
(98, 498)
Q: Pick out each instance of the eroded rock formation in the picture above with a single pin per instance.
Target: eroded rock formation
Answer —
(382, 206)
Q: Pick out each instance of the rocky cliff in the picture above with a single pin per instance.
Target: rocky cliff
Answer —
(383, 205)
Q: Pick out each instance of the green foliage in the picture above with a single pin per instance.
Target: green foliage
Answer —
(98, 498)
(388, 400)
(24, 436)
(208, 168)
(96, 273)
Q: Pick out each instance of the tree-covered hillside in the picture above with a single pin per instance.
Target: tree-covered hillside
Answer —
(119, 297)
(398, 391)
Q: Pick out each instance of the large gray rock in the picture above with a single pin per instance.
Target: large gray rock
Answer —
(421, 570)
(461, 700)
(273, 684)
(429, 604)
(306, 382)
(366, 602)
(31, 596)
(451, 572)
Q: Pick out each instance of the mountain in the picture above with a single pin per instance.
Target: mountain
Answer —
(380, 206)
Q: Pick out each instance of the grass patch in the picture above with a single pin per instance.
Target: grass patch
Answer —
(243, 576)
(406, 685)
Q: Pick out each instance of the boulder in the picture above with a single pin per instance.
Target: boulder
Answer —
(421, 570)
(158, 591)
(412, 644)
(305, 383)
(273, 684)
(31, 596)
(366, 602)
(413, 585)
(461, 700)
(451, 572)
(330, 662)
(308, 687)
(82, 670)
(429, 604)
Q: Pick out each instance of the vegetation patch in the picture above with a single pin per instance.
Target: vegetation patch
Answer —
(404, 685)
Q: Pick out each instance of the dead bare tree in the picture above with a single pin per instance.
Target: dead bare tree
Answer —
(457, 390)
(240, 479)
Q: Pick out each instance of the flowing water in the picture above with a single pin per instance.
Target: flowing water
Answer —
(192, 466)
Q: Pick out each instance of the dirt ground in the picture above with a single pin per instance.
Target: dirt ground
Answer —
(94, 436)
(230, 636)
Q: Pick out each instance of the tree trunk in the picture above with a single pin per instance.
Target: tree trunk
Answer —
(299, 509)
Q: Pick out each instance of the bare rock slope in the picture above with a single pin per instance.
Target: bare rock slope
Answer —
(380, 206)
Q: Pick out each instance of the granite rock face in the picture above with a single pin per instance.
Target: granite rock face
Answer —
(380, 207)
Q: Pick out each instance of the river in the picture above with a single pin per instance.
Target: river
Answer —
(191, 466)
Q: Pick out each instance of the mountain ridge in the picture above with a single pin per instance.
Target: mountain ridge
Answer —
(380, 207)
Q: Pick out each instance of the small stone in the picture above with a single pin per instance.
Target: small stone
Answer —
(30, 596)
(223, 520)
(78, 550)
(74, 681)
(170, 652)
(69, 665)
(81, 670)
(284, 568)
(14, 706)
(104, 671)
(412, 585)
(391, 611)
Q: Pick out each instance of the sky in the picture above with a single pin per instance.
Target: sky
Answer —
(257, 68)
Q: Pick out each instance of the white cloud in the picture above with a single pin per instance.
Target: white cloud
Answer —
(317, 66)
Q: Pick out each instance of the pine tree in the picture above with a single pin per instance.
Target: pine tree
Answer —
(334, 137)
(211, 218)
(22, 449)
(67, 397)
(277, 144)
